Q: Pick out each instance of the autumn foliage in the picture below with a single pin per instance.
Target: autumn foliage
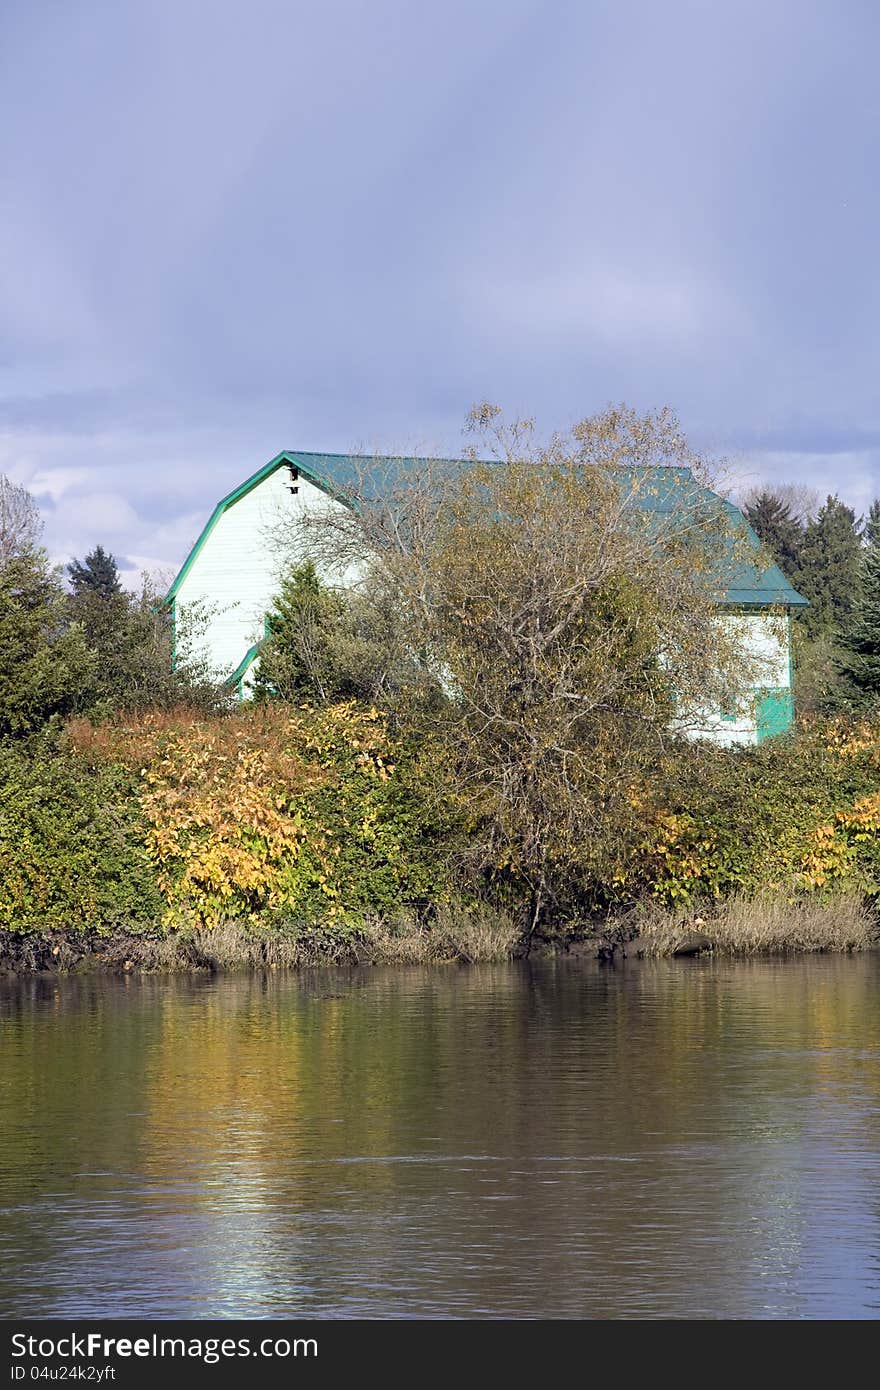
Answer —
(304, 814)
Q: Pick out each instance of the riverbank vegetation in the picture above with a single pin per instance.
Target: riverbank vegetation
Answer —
(746, 926)
(477, 752)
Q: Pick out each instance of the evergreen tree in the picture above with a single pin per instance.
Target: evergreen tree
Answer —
(771, 518)
(860, 643)
(131, 643)
(46, 666)
(828, 567)
(322, 645)
(97, 574)
(295, 658)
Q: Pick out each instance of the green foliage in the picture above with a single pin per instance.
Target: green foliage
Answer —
(775, 525)
(860, 641)
(130, 639)
(97, 574)
(72, 843)
(316, 816)
(92, 652)
(372, 817)
(296, 657)
(320, 821)
(45, 662)
(823, 558)
(795, 815)
(327, 645)
(828, 567)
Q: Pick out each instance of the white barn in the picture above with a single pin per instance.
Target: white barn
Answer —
(231, 576)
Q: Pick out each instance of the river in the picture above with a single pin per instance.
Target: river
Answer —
(560, 1139)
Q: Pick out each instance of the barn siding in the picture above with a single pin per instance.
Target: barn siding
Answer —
(768, 638)
(235, 573)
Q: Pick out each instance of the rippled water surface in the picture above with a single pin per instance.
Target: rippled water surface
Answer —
(682, 1139)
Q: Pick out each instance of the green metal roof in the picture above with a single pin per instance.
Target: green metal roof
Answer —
(747, 582)
(750, 584)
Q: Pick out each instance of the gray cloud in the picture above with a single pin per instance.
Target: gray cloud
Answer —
(226, 231)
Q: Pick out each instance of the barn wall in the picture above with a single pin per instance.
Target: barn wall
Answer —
(234, 577)
(767, 642)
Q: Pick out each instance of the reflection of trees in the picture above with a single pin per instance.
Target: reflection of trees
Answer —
(549, 1138)
(73, 1055)
(74, 1052)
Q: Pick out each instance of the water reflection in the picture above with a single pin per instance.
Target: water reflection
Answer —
(680, 1139)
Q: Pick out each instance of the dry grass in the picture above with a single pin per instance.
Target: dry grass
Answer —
(474, 934)
(768, 925)
(456, 934)
(478, 934)
(234, 946)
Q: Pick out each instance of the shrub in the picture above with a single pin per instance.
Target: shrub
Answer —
(315, 816)
(72, 853)
(800, 814)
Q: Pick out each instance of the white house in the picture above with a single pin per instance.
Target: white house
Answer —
(231, 576)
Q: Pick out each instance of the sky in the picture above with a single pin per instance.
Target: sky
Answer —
(231, 228)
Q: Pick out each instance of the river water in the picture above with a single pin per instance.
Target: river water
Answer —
(559, 1139)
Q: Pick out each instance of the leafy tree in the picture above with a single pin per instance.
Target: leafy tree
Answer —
(46, 666)
(132, 644)
(828, 567)
(860, 642)
(97, 574)
(20, 523)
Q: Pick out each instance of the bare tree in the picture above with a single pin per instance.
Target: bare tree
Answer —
(560, 600)
(800, 502)
(20, 524)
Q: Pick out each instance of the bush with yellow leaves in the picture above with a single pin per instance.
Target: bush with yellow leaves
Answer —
(309, 815)
(799, 815)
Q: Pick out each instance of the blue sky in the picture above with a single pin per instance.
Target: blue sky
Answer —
(229, 228)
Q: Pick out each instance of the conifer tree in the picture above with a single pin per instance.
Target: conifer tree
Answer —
(828, 567)
(771, 518)
(46, 666)
(295, 660)
(860, 643)
(97, 574)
